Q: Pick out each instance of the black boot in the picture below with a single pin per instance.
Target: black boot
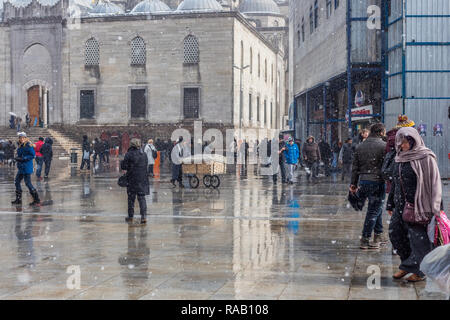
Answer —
(18, 198)
(35, 196)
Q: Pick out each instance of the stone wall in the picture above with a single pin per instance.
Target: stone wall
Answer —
(5, 76)
(324, 53)
(164, 75)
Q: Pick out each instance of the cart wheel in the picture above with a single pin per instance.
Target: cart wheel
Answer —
(207, 180)
(194, 182)
(215, 181)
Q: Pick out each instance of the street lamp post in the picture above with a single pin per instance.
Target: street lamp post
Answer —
(241, 93)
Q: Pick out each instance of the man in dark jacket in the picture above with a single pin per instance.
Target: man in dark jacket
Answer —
(86, 154)
(177, 153)
(366, 172)
(346, 158)
(311, 154)
(9, 152)
(281, 161)
(326, 154)
(47, 154)
(135, 163)
(98, 149)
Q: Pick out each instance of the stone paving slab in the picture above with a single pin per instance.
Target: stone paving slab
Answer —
(247, 240)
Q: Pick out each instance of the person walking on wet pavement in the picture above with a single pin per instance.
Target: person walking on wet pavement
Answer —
(152, 154)
(98, 151)
(24, 159)
(291, 153)
(9, 153)
(281, 161)
(135, 163)
(105, 151)
(176, 155)
(86, 154)
(39, 158)
(346, 159)
(326, 154)
(311, 154)
(416, 183)
(366, 172)
(47, 154)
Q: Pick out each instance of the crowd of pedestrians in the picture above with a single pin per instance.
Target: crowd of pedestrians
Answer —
(397, 162)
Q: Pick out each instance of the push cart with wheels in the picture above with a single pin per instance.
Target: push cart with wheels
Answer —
(208, 171)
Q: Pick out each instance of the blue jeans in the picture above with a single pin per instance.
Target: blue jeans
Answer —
(39, 163)
(27, 178)
(375, 192)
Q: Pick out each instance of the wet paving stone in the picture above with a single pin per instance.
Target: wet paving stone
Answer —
(249, 239)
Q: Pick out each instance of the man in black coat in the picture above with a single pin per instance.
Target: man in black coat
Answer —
(47, 154)
(368, 183)
(135, 163)
(325, 153)
(86, 154)
(176, 154)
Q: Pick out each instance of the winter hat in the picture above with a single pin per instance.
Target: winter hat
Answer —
(22, 134)
(290, 139)
(403, 122)
(135, 143)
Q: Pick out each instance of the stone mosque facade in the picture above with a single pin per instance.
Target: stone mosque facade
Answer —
(152, 63)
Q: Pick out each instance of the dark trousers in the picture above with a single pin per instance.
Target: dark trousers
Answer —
(27, 178)
(326, 166)
(142, 203)
(87, 162)
(100, 157)
(314, 167)
(375, 193)
(177, 174)
(39, 163)
(420, 246)
(105, 157)
(150, 169)
(48, 163)
(283, 173)
(398, 234)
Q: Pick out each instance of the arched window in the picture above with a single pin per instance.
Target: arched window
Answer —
(191, 50)
(138, 52)
(92, 53)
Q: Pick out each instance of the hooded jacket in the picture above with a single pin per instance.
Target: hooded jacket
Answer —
(135, 163)
(292, 153)
(26, 153)
(37, 148)
(47, 149)
(311, 151)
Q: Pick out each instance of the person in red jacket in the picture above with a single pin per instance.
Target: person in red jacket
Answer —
(39, 158)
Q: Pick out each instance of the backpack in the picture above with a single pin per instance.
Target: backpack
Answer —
(387, 170)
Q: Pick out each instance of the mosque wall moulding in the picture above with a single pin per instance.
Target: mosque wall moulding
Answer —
(37, 11)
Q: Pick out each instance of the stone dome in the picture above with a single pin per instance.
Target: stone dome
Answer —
(150, 6)
(199, 5)
(259, 6)
(104, 7)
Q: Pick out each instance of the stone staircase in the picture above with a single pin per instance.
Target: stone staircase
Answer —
(61, 143)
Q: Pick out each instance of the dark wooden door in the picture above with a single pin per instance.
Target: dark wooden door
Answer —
(33, 104)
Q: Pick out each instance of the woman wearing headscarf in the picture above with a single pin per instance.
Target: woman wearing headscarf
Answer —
(135, 163)
(416, 182)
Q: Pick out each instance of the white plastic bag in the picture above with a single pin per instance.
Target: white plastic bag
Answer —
(436, 265)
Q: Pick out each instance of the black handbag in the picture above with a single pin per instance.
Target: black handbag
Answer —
(123, 181)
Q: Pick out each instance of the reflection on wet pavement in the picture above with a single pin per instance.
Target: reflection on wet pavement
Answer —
(249, 239)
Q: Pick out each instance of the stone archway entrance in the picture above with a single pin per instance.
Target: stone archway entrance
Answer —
(38, 97)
